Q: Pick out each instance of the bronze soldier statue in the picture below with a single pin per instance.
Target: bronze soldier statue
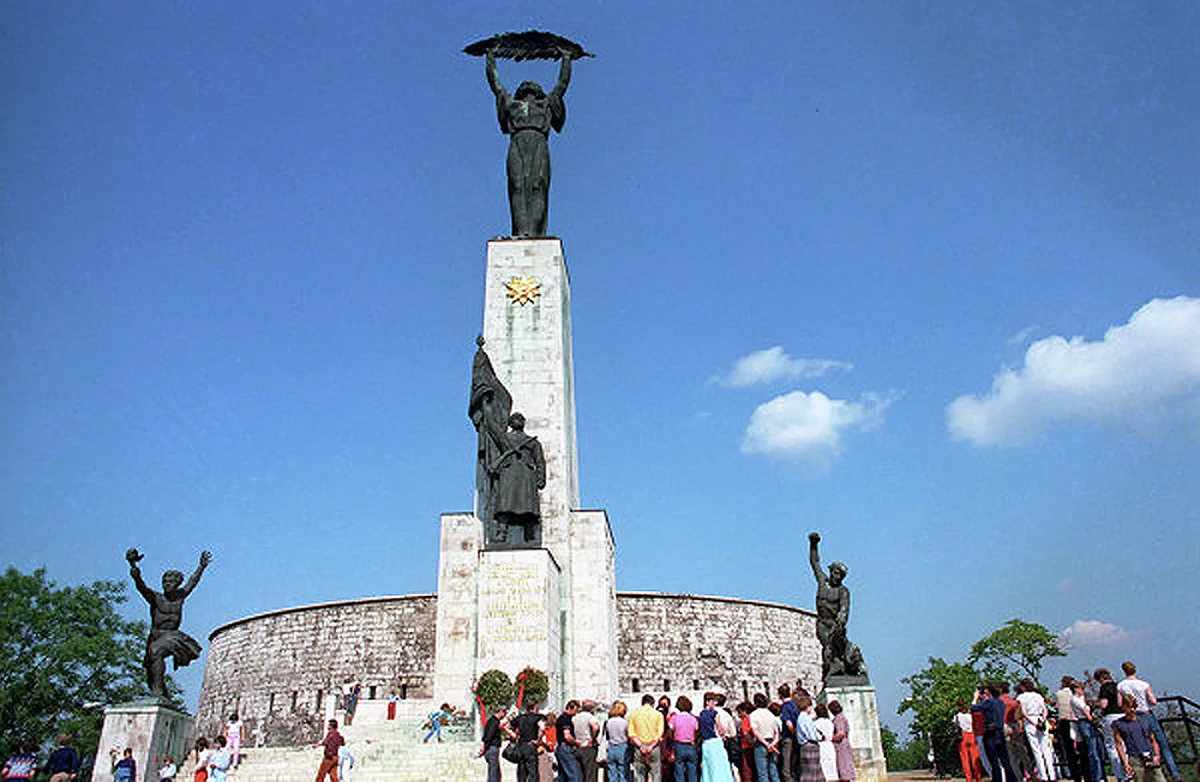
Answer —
(511, 466)
(518, 475)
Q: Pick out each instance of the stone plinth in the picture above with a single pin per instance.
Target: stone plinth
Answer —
(458, 585)
(520, 615)
(858, 704)
(151, 729)
(590, 651)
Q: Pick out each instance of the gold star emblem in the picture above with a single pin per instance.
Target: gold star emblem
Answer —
(522, 290)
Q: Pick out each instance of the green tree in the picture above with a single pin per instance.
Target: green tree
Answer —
(64, 652)
(1015, 651)
(934, 694)
(907, 756)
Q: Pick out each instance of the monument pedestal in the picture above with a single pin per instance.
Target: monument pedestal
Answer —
(858, 704)
(520, 615)
(151, 728)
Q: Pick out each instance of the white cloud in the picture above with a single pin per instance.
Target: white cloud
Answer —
(1142, 375)
(809, 426)
(766, 366)
(1093, 633)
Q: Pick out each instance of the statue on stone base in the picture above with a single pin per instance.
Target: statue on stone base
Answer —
(527, 117)
(839, 658)
(510, 467)
(166, 614)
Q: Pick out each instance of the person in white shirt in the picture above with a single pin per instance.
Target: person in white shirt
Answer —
(765, 727)
(1033, 706)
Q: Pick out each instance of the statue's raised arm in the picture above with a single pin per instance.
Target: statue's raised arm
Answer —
(133, 557)
(564, 76)
(814, 558)
(205, 558)
(493, 77)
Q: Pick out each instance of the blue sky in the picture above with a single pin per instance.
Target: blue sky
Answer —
(922, 278)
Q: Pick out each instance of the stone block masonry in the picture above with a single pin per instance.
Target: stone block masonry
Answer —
(690, 643)
(283, 671)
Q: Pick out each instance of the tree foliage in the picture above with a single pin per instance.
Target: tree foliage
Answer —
(903, 756)
(1015, 651)
(64, 653)
(934, 693)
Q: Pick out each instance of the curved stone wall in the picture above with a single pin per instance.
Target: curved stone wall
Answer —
(282, 671)
(692, 643)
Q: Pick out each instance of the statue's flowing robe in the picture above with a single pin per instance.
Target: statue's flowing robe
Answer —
(527, 122)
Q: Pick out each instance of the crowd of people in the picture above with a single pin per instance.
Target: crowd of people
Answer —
(792, 739)
(206, 761)
(1072, 733)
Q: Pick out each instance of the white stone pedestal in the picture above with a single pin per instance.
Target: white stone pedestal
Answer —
(151, 729)
(520, 615)
(858, 704)
(458, 587)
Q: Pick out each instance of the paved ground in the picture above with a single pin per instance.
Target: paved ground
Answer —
(923, 775)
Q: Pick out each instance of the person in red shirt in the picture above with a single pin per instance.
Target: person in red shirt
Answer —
(329, 760)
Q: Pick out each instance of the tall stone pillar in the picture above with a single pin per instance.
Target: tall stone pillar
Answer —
(527, 325)
(570, 582)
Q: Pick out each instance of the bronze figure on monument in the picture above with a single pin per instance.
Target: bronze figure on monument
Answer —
(510, 466)
(166, 615)
(527, 117)
(840, 659)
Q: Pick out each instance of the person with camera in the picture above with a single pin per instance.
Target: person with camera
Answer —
(1136, 746)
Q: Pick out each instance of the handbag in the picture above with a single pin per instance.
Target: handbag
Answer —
(602, 745)
(511, 752)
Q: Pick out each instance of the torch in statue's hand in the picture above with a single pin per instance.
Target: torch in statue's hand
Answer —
(133, 556)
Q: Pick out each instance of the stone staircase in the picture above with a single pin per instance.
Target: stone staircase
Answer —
(384, 751)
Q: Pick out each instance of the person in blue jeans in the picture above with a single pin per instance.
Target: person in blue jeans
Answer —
(616, 733)
(435, 723)
(765, 728)
(994, 744)
(564, 748)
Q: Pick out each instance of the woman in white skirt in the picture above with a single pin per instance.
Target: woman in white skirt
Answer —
(828, 753)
